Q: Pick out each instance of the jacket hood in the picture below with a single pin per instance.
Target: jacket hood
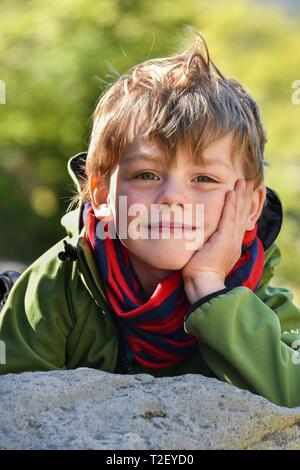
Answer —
(269, 223)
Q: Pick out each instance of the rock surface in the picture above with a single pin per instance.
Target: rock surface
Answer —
(90, 409)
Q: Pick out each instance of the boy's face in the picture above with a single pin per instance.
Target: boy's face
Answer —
(150, 182)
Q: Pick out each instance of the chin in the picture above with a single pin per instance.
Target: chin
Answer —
(169, 266)
(165, 259)
(164, 254)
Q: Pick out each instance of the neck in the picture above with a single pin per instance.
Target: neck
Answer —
(148, 275)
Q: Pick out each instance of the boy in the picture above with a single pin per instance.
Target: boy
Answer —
(174, 134)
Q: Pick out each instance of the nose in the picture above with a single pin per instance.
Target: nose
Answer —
(172, 192)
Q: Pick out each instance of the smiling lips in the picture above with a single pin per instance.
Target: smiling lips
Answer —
(172, 227)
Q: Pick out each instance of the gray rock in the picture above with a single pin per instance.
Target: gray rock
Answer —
(90, 409)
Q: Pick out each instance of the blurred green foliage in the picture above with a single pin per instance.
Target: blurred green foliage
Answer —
(54, 57)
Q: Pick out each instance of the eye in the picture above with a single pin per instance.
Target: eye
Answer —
(148, 176)
(204, 176)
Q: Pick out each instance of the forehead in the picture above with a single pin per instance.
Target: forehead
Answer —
(217, 154)
(140, 147)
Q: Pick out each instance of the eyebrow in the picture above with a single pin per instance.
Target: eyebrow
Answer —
(156, 157)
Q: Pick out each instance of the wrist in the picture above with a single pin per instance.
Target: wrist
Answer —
(202, 285)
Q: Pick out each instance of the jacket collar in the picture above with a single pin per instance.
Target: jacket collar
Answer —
(269, 223)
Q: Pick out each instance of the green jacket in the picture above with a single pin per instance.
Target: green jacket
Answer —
(57, 317)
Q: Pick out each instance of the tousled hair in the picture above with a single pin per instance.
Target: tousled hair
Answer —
(183, 98)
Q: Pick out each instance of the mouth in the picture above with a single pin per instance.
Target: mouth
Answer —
(171, 227)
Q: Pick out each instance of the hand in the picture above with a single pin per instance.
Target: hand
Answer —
(205, 272)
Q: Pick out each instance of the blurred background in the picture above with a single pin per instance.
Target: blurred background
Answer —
(54, 57)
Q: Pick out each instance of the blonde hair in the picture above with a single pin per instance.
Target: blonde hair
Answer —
(182, 98)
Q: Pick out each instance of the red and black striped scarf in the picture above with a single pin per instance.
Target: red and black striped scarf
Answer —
(153, 327)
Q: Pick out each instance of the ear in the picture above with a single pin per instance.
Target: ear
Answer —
(258, 200)
(99, 196)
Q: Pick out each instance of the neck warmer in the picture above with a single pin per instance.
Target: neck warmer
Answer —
(152, 328)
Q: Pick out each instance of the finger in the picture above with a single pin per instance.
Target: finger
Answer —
(228, 217)
(244, 190)
(245, 208)
(240, 188)
(249, 191)
(248, 198)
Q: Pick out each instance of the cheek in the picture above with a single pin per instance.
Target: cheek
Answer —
(213, 207)
(138, 204)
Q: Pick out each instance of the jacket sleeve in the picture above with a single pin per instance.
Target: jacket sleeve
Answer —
(35, 321)
(250, 339)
